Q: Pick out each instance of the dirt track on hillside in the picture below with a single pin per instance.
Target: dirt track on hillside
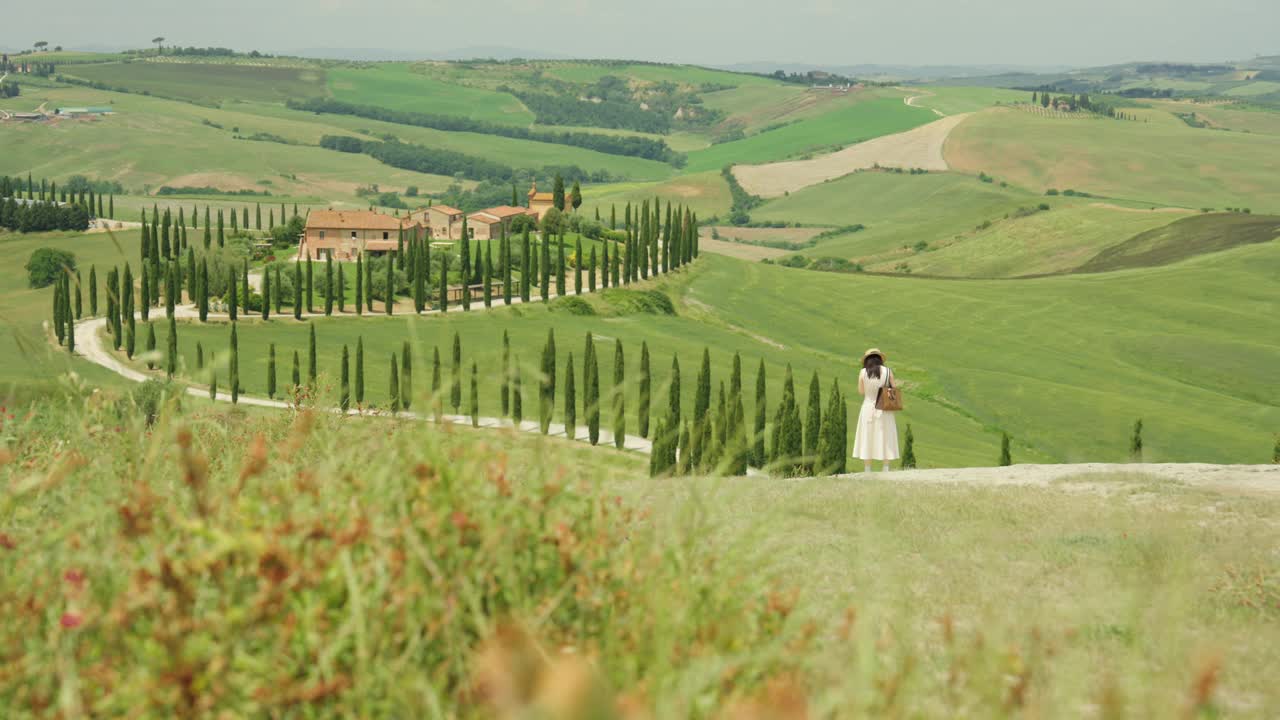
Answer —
(1233, 478)
(917, 148)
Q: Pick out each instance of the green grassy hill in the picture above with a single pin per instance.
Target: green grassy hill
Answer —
(207, 83)
(397, 86)
(1186, 238)
(1153, 162)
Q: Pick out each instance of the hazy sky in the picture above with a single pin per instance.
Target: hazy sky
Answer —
(1024, 32)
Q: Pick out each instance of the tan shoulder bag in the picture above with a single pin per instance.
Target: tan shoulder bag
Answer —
(889, 399)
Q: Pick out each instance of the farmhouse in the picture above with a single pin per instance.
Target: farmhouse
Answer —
(540, 202)
(443, 222)
(346, 234)
(489, 224)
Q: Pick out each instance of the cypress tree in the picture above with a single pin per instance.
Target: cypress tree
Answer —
(199, 356)
(59, 312)
(360, 284)
(221, 238)
(544, 265)
(578, 262)
(232, 302)
(683, 465)
(455, 386)
(79, 307)
(619, 396)
(488, 274)
(171, 348)
(604, 265)
(909, 450)
(506, 268)
(394, 390)
(464, 253)
(93, 291)
(813, 423)
(144, 284)
(271, 371)
(673, 393)
(130, 332)
(1006, 458)
(297, 290)
(642, 411)
(570, 400)
(560, 265)
(341, 290)
(360, 370)
(702, 399)
(406, 376)
(244, 286)
(311, 357)
(203, 291)
(244, 222)
(328, 286)
(271, 218)
(257, 216)
(391, 285)
(345, 397)
(591, 391)
(234, 368)
(213, 384)
(437, 399)
(1275, 452)
(525, 275)
(111, 207)
(517, 402)
(591, 272)
(368, 286)
(829, 449)
(444, 283)
(277, 289)
(296, 376)
(758, 457)
(266, 294)
(310, 287)
(546, 383)
(475, 395)
(505, 393)
(1135, 442)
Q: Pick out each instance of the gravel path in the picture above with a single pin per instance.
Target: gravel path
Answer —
(1239, 478)
(917, 148)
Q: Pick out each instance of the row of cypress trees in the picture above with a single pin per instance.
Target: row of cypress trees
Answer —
(48, 191)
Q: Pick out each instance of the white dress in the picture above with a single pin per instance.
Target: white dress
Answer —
(876, 437)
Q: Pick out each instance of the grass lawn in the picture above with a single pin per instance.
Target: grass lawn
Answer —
(954, 100)
(151, 142)
(851, 123)
(1154, 162)
(396, 86)
(1058, 240)
(29, 364)
(1064, 364)
(897, 209)
(207, 83)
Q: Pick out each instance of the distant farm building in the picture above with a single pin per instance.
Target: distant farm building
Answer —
(540, 202)
(84, 111)
(347, 234)
(489, 224)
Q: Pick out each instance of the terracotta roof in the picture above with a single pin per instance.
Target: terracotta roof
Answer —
(542, 197)
(506, 211)
(446, 209)
(352, 220)
(485, 217)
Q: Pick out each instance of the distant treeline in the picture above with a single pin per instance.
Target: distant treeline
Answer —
(209, 190)
(434, 161)
(37, 216)
(569, 110)
(646, 148)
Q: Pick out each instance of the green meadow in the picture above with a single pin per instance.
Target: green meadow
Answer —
(1152, 162)
(843, 126)
(396, 86)
(954, 100)
(211, 83)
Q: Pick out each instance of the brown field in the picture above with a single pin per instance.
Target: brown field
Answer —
(740, 251)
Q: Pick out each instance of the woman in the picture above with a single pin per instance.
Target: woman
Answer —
(876, 437)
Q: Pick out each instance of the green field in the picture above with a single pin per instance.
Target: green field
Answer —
(850, 123)
(1053, 241)
(1163, 163)
(212, 83)
(890, 204)
(590, 72)
(705, 193)
(396, 86)
(1065, 365)
(1185, 238)
(953, 100)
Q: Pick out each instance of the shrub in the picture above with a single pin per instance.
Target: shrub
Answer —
(637, 302)
(150, 397)
(1051, 191)
(46, 263)
(572, 305)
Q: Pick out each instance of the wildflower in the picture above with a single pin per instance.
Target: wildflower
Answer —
(7, 542)
(74, 577)
(71, 620)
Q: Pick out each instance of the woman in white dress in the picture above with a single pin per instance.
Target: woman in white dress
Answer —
(876, 437)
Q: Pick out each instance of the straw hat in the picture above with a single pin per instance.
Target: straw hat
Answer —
(873, 351)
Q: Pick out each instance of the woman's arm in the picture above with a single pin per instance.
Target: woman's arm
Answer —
(861, 389)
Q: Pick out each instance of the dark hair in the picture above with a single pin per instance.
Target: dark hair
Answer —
(872, 364)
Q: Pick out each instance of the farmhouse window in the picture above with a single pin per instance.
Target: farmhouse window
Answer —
(386, 236)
